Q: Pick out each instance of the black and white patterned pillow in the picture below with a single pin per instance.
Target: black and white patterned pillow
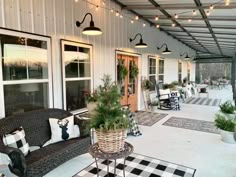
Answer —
(16, 139)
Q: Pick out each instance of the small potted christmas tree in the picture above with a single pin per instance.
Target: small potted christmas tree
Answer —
(110, 122)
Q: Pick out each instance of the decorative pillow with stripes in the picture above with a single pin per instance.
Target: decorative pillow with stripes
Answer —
(16, 139)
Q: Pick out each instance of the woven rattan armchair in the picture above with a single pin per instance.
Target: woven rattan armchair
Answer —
(37, 130)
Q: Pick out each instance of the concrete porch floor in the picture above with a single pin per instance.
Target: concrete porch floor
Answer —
(202, 151)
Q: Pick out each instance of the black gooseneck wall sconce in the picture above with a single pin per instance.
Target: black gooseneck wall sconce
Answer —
(186, 57)
(91, 30)
(141, 44)
(166, 51)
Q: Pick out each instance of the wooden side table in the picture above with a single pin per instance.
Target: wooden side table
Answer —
(96, 153)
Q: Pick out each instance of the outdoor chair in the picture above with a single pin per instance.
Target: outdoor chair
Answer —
(164, 97)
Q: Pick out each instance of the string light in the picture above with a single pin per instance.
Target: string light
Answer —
(132, 21)
(103, 2)
(137, 17)
(156, 18)
(211, 7)
(208, 13)
(121, 16)
(157, 26)
(76, 0)
(117, 13)
(189, 20)
(194, 12)
(176, 16)
(112, 10)
(144, 25)
(96, 8)
(173, 24)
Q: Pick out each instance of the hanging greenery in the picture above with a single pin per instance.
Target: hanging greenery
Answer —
(122, 71)
(133, 71)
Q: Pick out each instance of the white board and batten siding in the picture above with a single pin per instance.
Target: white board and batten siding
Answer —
(56, 18)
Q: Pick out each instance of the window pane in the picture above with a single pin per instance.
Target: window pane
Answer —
(25, 97)
(153, 81)
(23, 58)
(77, 61)
(37, 55)
(161, 66)
(180, 67)
(75, 94)
(161, 78)
(14, 62)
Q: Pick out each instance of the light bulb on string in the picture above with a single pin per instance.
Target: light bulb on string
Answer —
(144, 25)
(97, 8)
(227, 2)
(211, 7)
(157, 26)
(103, 2)
(121, 16)
(156, 18)
(173, 24)
(76, 0)
(112, 10)
(137, 17)
(194, 12)
(132, 21)
(208, 13)
(189, 20)
(176, 16)
(117, 13)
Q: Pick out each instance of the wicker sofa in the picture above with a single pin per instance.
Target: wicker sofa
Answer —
(37, 130)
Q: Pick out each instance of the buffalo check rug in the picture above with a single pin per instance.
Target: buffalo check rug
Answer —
(138, 166)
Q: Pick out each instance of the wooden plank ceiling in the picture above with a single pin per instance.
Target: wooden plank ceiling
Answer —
(207, 26)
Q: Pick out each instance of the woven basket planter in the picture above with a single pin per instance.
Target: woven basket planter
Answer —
(111, 141)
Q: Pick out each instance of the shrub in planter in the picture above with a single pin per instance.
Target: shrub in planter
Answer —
(146, 84)
(228, 109)
(227, 128)
(110, 122)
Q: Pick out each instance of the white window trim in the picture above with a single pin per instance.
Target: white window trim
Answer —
(49, 80)
(74, 43)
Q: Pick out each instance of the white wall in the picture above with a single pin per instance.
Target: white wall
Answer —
(56, 18)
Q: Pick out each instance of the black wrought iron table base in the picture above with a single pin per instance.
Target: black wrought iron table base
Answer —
(96, 153)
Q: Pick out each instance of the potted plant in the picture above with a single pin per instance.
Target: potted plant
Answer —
(228, 110)
(154, 105)
(146, 84)
(227, 128)
(110, 122)
(91, 99)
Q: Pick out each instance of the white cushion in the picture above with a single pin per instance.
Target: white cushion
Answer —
(164, 93)
(61, 129)
(76, 134)
(16, 139)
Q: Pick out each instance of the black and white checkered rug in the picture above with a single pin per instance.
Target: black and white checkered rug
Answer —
(138, 166)
(203, 101)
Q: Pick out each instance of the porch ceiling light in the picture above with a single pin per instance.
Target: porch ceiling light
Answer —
(166, 51)
(141, 44)
(186, 57)
(92, 30)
